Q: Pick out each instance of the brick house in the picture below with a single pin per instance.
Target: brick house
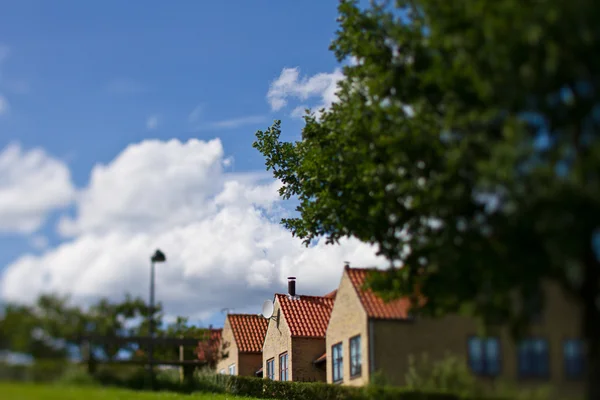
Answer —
(241, 345)
(366, 334)
(295, 336)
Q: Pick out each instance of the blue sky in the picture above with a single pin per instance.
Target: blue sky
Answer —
(85, 81)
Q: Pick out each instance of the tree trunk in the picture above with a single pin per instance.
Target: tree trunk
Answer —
(591, 322)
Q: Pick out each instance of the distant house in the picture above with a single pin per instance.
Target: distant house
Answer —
(367, 335)
(295, 336)
(241, 346)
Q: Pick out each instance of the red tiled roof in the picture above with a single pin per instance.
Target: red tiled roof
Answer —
(307, 316)
(248, 331)
(374, 305)
(331, 295)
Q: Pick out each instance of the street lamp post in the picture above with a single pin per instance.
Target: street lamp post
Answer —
(157, 257)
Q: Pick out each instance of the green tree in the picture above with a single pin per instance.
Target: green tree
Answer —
(464, 145)
(182, 329)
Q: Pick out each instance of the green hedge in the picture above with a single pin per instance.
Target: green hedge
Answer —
(267, 389)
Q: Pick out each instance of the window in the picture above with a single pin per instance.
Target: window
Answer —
(573, 353)
(222, 372)
(484, 355)
(271, 369)
(232, 369)
(533, 358)
(355, 357)
(283, 367)
(337, 362)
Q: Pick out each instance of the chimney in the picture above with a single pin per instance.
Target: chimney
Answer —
(292, 286)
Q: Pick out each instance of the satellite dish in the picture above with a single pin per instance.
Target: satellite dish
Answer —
(267, 309)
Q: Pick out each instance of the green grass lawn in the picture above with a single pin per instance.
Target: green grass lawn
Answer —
(20, 391)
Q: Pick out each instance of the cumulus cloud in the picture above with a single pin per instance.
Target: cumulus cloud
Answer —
(220, 231)
(290, 85)
(39, 242)
(32, 184)
(152, 122)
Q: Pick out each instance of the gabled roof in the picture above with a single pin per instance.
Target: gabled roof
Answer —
(248, 331)
(306, 316)
(374, 305)
(331, 295)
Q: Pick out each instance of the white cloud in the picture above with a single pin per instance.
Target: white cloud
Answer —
(39, 242)
(220, 232)
(289, 85)
(237, 122)
(31, 184)
(198, 124)
(152, 122)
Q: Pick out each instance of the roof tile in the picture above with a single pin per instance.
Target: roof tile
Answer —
(307, 316)
(374, 305)
(248, 331)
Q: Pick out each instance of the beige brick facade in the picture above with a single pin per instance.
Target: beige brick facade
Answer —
(277, 341)
(348, 318)
(387, 344)
(229, 350)
(246, 364)
(301, 351)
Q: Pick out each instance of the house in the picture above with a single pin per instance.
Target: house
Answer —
(295, 336)
(241, 346)
(367, 335)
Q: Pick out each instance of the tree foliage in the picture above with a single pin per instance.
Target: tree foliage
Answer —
(464, 145)
(50, 328)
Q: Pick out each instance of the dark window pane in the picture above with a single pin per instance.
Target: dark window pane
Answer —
(533, 358)
(475, 355)
(574, 358)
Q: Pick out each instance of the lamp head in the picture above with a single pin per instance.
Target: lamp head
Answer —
(158, 256)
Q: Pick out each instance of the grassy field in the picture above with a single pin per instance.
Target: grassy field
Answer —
(17, 391)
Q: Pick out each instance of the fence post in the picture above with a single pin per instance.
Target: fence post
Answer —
(181, 375)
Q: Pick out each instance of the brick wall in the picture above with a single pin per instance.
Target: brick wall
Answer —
(348, 318)
(277, 341)
(394, 341)
(304, 352)
(249, 363)
(231, 352)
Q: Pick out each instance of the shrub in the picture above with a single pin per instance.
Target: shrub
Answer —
(448, 375)
(75, 375)
(266, 389)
